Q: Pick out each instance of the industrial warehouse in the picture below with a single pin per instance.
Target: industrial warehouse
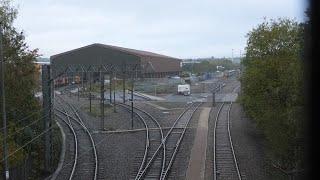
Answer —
(151, 65)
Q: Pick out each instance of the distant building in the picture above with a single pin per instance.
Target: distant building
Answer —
(38, 65)
(190, 61)
(152, 65)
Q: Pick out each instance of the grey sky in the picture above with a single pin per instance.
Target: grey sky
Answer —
(179, 28)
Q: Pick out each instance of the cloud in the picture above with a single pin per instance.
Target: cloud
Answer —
(189, 28)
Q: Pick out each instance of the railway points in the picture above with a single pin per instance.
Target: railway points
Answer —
(161, 124)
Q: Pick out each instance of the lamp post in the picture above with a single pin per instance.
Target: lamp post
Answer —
(4, 115)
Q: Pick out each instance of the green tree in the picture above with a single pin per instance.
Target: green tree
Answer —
(209, 66)
(273, 87)
(20, 85)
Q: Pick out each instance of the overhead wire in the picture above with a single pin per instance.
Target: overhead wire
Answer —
(30, 124)
(25, 118)
(29, 142)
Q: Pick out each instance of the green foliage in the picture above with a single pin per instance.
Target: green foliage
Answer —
(272, 87)
(20, 85)
(209, 66)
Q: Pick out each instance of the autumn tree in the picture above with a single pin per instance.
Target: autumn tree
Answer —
(20, 73)
(273, 88)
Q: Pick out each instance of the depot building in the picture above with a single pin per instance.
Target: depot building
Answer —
(152, 65)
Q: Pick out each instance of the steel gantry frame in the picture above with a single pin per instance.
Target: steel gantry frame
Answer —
(50, 73)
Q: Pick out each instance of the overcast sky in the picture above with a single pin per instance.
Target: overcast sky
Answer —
(178, 28)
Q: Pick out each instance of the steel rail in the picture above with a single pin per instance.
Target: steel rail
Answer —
(230, 142)
(164, 174)
(75, 140)
(163, 143)
(91, 139)
(79, 121)
(140, 172)
(69, 124)
(214, 143)
(147, 137)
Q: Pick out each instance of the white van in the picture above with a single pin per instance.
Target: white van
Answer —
(184, 89)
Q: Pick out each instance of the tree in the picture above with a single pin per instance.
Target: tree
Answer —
(20, 85)
(209, 66)
(273, 87)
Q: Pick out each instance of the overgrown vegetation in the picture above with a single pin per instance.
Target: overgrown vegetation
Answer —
(272, 86)
(20, 84)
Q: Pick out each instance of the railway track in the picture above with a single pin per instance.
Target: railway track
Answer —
(81, 161)
(224, 160)
(72, 146)
(171, 143)
(154, 137)
(175, 135)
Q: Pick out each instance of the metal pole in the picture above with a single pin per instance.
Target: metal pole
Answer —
(124, 83)
(90, 79)
(4, 115)
(110, 88)
(69, 83)
(114, 94)
(203, 87)
(82, 76)
(47, 105)
(102, 99)
(213, 99)
(132, 104)
(73, 80)
(78, 93)
(124, 87)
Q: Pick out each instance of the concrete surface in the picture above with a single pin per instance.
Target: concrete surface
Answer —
(196, 167)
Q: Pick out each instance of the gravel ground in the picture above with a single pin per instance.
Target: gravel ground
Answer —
(248, 144)
(119, 120)
(164, 117)
(170, 105)
(119, 154)
(250, 147)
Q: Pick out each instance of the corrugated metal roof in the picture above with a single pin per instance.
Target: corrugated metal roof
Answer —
(139, 53)
(101, 53)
